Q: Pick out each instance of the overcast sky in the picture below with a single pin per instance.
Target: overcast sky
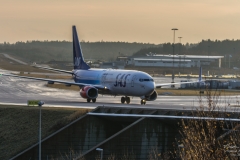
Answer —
(119, 20)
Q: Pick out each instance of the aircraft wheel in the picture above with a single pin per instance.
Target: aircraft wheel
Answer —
(94, 100)
(123, 100)
(128, 100)
(88, 100)
(143, 102)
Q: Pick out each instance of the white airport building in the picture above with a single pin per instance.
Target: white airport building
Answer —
(159, 60)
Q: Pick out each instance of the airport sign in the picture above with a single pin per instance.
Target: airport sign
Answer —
(33, 102)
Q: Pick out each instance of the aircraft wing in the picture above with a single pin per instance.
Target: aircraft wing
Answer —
(53, 69)
(168, 84)
(51, 81)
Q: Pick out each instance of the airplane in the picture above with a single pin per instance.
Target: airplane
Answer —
(92, 82)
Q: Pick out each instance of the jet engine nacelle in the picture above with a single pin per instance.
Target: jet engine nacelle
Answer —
(151, 97)
(89, 92)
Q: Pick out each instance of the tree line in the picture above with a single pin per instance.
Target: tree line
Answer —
(44, 51)
(205, 47)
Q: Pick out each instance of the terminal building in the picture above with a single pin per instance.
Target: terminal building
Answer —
(160, 60)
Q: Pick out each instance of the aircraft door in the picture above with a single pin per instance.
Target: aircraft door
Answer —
(132, 82)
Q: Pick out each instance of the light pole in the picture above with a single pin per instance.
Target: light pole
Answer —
(180, 39)
(230, 56)
(225, 57)
(179, 44)
(208, 55)
(174, 29)
(179, 52)
(233, 55)
(40, 103)
(101, 150)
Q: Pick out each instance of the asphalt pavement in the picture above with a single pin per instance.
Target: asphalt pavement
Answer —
(19, 91)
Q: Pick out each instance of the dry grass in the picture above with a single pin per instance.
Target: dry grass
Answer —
(62, 86)
(19, 125)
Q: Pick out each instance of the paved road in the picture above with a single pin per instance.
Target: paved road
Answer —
(16, 90)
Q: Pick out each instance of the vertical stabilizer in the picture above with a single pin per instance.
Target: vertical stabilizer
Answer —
(200, 75)
(78, 60)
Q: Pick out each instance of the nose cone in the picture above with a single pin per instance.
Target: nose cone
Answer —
(150, 88)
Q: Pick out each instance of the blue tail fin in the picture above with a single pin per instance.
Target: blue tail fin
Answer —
(78, 60)
(200, 75)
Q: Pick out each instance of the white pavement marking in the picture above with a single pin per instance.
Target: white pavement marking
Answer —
(14, 59)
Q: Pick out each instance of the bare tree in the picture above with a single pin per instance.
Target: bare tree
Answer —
(208, 139)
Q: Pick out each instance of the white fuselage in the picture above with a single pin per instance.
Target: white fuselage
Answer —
(119, 82)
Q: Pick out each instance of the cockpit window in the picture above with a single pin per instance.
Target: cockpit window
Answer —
(149, 80)
(141, 80)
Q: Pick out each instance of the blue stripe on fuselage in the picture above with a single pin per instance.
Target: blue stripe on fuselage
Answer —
(88, 76)
(87, 81)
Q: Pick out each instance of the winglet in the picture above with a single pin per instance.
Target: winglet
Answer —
(78, 60)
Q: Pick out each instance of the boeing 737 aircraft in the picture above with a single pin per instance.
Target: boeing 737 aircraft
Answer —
(105, 81)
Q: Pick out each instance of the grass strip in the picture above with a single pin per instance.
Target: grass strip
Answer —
(19, 125)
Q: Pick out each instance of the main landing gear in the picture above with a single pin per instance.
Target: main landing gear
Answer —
(143, 101)
(125, 99)
(89, 100)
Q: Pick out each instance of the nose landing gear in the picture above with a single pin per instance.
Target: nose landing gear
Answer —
(143, 102)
